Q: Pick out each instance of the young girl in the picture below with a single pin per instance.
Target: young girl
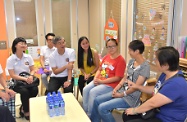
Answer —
(88, 62)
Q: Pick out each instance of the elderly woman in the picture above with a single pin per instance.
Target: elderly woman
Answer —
(170, 91)
(20, 62)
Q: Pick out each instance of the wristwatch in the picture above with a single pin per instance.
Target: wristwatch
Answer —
(69, 80)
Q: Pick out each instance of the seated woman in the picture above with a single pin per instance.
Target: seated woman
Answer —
(109, 74)
(88, 62)
(20, 62)
(170, 91)
(138, 70)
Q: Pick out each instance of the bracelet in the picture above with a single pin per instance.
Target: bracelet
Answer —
(125, 94)
(133, 111)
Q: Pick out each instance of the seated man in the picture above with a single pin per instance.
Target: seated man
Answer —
(44, 58)
(61, 62)
(7, 96)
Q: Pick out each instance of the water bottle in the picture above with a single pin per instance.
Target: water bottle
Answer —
(56, 106)
(61, 104)
(51, 109)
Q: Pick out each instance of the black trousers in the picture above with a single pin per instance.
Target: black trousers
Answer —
(25, 94)
(56, 82)
(138, 118)
(5, 115)
(82, 82)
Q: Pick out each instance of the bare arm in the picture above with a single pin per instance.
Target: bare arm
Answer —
(96, 62)
(70, 71)
(42, 61)
(139, 82)
(61, 69)
(16, 77)
(111, 80)
(145, 89)
(154, 102)
(2, 81)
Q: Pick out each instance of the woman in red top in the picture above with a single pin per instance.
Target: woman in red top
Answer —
(109, 74)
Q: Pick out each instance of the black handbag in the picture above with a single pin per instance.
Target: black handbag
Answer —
(20, 83)
(150, 114)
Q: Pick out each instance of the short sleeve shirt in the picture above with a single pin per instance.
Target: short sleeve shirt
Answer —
(112, 67)
(176, 90)
(57, 60)
(132, 74)
(46, 52)
(19, 65)
(1, 70)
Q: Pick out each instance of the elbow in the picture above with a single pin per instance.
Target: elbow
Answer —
(56, 73)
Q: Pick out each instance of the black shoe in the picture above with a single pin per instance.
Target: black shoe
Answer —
(46, 92)
(27, 117)
(20, 112)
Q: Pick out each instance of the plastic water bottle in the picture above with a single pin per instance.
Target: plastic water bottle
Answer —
(50, 105)
(61, 104)
(56, 106)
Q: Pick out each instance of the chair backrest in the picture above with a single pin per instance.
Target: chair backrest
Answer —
(149, 82)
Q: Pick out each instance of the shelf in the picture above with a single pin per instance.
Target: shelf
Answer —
(183, 66)
(183, 62)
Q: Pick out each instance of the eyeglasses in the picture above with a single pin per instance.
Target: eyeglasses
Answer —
(61, 43)
(50, 40)
(22, 43)
(111, 47)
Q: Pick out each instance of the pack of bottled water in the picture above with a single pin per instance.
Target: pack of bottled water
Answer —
(55, 104)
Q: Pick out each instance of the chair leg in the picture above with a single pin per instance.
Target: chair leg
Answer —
(77, 93)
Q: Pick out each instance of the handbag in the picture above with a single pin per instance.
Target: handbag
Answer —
(20, 83)
(150, 114)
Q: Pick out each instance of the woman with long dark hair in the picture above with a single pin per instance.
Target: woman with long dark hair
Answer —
(88, 62)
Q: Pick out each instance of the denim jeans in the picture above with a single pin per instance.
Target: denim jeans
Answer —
(90, 92)
(103, 106)
(44, 80)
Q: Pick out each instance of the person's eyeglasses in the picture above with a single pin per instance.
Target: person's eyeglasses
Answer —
(50, 40)
(111, 47)
(22, 43)
(61, 43)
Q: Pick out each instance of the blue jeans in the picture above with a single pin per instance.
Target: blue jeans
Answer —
(103, 106)
(90, 92)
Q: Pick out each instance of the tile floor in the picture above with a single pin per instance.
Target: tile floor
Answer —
(116, 114)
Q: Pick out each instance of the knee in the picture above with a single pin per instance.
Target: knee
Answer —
(43, 76)
(102, 108)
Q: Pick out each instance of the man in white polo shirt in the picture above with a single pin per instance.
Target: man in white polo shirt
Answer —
(61, 62)
(44, 58)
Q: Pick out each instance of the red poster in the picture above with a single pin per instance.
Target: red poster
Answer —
(111, 29)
